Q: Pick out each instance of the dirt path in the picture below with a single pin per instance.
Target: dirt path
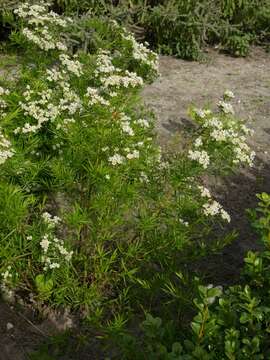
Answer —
(183, 83)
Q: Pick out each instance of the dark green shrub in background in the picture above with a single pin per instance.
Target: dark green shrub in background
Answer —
(175, 27)
(184, 27)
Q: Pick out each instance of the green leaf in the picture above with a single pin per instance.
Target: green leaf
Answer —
(44, 285)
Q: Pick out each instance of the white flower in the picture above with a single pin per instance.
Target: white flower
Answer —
(54, 75)
(201, 156)
(200, 113)
(54, 265)
(204, 192)
(225, 215)
(95, 98)
(227, 108)
(116, 159)
(213, 122)
(73, 66)
(131, 79)
(142, 53)
(185, 223)
(4, 91)
(133, 155)
(45, 243)
(198, 142)
(127, 128)
(228, 94)
(50, 220)
(6, 150)
(212, 208)
(220, 135)
(104, 64)
(143, 122)
(64, 252)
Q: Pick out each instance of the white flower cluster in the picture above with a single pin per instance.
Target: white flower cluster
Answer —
(72, 65)
(129, 79)
(54, 252)
(104, 64)
(69, 101)
(112, 77)
(3, 104)
(43, 39)
(54, 75)
(53, 248)
(41, 110)
(183, 222)
(7, 292)
(242, 152)
(135, 154)
(200, 156)
(116, 159)
(38, 17)
(222, 129)
(202, 113)
(44, 110)
(143, 122)
(142, 53)
(129, 154)
(228, 94)
(212, 207)
(6, 150)
(95, 97)
(50, 220)
(226, 107)
(60, 100)
(125, 123)
(38, 14)
(4, 91)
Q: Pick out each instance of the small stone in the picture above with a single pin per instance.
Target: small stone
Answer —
(9, 326)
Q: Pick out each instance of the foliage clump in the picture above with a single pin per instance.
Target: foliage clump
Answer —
(231, 323)
(184, 27)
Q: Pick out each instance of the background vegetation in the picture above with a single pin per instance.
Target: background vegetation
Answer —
(177, 27)
(184, 27)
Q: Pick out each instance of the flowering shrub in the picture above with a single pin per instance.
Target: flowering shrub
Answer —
(97, 201)
(216, 131)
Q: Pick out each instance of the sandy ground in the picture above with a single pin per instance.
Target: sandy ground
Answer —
(181, 84)
(184, 83)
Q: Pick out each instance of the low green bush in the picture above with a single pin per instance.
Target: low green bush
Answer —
(231, 323)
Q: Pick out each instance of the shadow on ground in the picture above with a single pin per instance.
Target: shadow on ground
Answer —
(236, 193)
